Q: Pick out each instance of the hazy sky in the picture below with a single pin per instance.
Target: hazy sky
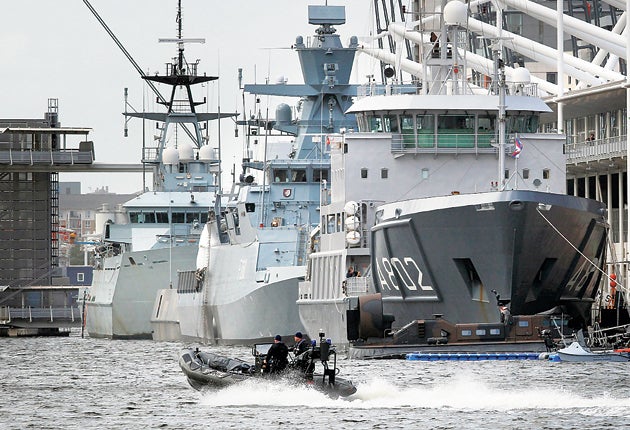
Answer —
(57, 49)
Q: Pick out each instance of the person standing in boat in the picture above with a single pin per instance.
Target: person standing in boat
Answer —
(301, 344)
(302, 361)
(351, 272)
(276, 360)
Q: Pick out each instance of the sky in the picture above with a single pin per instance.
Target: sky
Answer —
(57, 49)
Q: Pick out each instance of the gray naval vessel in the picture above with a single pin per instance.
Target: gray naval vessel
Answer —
(453, 208)
(153, 236)
(253, 254)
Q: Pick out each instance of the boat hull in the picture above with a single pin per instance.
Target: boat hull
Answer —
(208, 371)
(124, 290)
(327, 316)
(449, 255)
(577, 353)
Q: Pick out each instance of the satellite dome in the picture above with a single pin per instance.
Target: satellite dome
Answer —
(455, 13)
(521, 75)
(206, 153)
(186, 151)
(283, 113)
(170, 155)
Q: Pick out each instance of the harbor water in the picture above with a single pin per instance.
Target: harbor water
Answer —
(83, 383)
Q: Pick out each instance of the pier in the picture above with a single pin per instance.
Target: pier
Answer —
(39, 310)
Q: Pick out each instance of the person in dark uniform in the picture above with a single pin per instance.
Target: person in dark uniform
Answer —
(301, 344)
(276, 360)
(302, 361)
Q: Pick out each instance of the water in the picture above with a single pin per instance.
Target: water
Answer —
(74, 383)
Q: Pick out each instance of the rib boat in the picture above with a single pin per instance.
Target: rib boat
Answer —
(316, 367)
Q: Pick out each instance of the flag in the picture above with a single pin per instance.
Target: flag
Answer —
(518, 147)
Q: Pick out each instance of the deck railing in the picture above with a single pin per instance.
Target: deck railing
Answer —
(31, 314)
(593, 150)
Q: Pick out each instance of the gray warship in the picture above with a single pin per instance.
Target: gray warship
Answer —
(454, 208)
(253, 254)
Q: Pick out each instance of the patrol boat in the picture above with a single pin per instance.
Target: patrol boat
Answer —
(156, 234)
(251, 261)
(451, 203)
(316, 367)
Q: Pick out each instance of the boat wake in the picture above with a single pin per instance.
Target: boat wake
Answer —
(460, 393)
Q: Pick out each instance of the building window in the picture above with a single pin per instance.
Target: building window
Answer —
(552, 77)
(384, 173)
(80, 277)
(364, 172)
(546, 173)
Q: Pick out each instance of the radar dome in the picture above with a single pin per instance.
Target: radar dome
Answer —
(170, 155)
(206, 153)
(283, 114)
(351, 208)
(455, 13)
(186, 151)
(521, 75)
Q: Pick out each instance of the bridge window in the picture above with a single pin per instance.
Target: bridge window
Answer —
(546, 173)
(298, 175)
(280, 175)
(384, 173)
(179, 217)
(320, 175)
(527, 123)
(161, 217)
(364, 173)
(375, 123)
(391, 123)
(525, 173)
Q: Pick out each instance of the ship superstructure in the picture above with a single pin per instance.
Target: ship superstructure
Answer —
(153, 236)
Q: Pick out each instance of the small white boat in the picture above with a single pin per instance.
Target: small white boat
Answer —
(576, 352)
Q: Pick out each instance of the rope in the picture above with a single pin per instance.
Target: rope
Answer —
(578, 251)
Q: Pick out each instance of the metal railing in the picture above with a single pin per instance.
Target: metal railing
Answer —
(30, 157)
(65, 314)
(430, 143)
(593, 150)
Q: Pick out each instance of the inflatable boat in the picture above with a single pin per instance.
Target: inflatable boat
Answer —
(315, 367)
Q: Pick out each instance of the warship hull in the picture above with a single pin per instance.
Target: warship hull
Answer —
(448, 255)
(124, 289)
(239, 305)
